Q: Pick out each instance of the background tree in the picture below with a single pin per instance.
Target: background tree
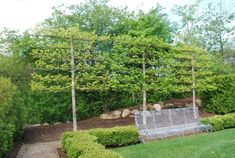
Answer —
(153, 23)
(115, 21)
(216, 28)
(188, 26)
(207, 25)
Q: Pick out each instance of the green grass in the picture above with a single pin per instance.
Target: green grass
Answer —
(212, 145)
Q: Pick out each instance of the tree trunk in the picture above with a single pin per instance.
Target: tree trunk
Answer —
(73, 87)
(193, 89)
(144, 90)
(133, 96)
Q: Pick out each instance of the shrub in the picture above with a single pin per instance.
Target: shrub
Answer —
(229, 120)
(220, 122)
(77, 148)
(92, 143)
(117, 136)
(45, 106)
(10, 115)
(69, 137)
(221, 100)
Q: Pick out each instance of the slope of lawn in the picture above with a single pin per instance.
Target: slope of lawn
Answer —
(212, 145)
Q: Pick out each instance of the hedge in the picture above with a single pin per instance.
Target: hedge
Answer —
(220, 122)
(222, 99)
(10, 115)
(92, 143)
(117, 136)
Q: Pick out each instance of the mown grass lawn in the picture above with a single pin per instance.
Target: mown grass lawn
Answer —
(212, 145)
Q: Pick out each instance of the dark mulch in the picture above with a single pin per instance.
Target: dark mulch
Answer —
(53, 132)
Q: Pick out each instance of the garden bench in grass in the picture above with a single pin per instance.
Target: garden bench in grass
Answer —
(169, 122)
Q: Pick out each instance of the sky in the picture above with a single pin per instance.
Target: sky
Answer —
(25, 14)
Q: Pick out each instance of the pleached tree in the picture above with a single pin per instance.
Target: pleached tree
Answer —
(191, 69)
(140, 64)
(69, 59)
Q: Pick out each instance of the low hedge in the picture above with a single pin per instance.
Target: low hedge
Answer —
(92, 143)
(117, 136)
(220, 122)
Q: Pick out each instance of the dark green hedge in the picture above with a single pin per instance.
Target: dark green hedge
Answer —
(221, 100)
(92, 143)
(220, 122)
(10, 115)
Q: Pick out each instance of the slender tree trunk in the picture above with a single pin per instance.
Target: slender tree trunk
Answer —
(193, 89)
(133, 96)
(144, 90)
(73, 87)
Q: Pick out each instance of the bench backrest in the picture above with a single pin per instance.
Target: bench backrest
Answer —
(167, 118)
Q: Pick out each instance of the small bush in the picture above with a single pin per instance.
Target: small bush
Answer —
(117, 136)
(220, 122)
(77, 148)
(229, 120)
(69, 138)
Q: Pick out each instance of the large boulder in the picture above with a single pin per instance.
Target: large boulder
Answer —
(45, 124)
(162, 104)
(169, 105)
(105, 116)
(57, 123)
(126, 112)
(150, 107)
(134, 111)
(157, 107)
(199, 102)
(115, 114)
(188, 105)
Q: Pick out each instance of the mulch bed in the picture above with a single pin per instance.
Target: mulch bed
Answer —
(53, 132)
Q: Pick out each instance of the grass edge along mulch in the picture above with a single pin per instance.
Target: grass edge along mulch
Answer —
(209, 145)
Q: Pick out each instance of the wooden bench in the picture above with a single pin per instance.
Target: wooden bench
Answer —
(169, 122)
